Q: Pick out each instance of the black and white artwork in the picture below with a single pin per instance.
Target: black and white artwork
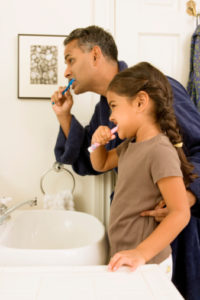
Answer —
(40, 65)
(44, 64)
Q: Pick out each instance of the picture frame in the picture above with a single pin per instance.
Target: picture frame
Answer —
(41, 65)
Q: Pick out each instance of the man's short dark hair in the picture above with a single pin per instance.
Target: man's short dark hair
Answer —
(91, 36)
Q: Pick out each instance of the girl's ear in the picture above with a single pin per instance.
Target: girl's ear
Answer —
(142, 101)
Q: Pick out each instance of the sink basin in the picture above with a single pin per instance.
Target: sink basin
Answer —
(52, 237)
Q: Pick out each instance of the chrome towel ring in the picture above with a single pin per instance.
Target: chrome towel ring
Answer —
(57, 167)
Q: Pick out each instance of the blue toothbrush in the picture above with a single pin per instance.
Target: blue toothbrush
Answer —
(69, 84)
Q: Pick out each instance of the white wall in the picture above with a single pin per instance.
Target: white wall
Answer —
(28, 128)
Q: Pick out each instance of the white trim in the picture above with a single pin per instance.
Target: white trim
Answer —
(104, 15)
(104, 186)
(99, 198)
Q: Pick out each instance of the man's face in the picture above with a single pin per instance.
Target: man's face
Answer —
(79, 66)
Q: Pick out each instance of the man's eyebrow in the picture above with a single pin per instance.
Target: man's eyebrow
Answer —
(66, 56)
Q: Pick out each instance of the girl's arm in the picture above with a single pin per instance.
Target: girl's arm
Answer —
(101, 159)
(174, 194)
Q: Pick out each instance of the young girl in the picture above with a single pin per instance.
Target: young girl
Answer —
(151, 166)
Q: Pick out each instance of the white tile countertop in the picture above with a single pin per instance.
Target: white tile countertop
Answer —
(85, 283)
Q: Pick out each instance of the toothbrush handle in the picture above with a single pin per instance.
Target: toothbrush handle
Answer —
(66, 89)
(114, 129)
(95, 145)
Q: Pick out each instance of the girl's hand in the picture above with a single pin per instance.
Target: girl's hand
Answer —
(131, 258)
(102, 135)
(62, 104)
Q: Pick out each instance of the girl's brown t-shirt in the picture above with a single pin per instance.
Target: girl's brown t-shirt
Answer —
(140, 167)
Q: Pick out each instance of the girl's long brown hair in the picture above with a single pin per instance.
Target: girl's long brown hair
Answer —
(145, 77)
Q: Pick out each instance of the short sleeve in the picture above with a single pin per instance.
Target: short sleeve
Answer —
(164, 163)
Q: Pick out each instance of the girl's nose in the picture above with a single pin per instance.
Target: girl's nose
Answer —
(111, 118)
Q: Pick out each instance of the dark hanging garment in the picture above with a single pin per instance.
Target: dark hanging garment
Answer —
(193, 87)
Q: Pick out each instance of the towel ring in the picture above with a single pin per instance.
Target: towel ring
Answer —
(57, 167)
(197, 19)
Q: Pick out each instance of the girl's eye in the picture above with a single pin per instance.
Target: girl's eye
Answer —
(112, 108)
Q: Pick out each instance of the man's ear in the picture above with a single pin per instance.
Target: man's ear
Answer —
(142, 100)
(96, 53)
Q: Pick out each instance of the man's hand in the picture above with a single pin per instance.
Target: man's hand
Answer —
(191, 198)
(62, 104)
(160, 211)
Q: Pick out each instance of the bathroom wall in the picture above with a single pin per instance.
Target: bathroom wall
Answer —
(28, 128)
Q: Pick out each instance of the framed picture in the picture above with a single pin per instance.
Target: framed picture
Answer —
(40, 65)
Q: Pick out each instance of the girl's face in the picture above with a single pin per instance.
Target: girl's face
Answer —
(123, 114)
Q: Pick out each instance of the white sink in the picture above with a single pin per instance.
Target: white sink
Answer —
(52, 237)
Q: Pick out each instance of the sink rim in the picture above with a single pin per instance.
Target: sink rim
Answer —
(8, 224)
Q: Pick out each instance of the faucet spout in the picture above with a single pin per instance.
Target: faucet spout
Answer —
(7, 212)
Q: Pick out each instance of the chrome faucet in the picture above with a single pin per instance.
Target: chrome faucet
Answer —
(5, 211)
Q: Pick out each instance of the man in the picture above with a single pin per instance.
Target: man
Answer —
(91, 58)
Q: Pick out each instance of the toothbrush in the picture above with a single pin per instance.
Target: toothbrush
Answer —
(69, 84)
(95, 145)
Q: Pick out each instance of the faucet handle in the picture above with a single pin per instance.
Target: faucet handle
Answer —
(5, 200)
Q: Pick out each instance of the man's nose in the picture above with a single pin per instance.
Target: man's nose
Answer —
(67, 73)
